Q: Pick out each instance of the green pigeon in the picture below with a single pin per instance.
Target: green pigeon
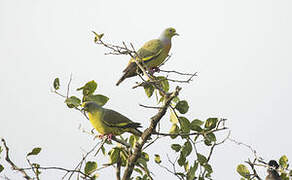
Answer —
(109, 122)
(152, 53)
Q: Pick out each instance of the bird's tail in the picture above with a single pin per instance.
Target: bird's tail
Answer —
(121, 79)
(130, 71)
(136, 132)
(132, 128)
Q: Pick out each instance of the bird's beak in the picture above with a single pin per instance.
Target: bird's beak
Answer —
(176, 34)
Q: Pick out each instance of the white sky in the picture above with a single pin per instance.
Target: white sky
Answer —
(241, 50)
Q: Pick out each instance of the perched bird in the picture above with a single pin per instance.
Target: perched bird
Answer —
(109, 122)
(272, 172)
(152, 53)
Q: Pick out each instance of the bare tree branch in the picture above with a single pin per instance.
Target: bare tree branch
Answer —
(188, 134)
(13, 166)
(150, 107)
(146, 134)
(118, 168)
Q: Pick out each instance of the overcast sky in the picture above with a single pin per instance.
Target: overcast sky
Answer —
(240, 49)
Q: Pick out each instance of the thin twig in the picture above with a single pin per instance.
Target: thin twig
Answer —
(61, 169)
(183, 81)
(100, 147)
(180, 73)
(82, 160)
(34, 169)
(251, 164)
(150, 107)
(68, 86)
(146, 171)
(152, 142)
(13, 166)
(189, 134)
(246, 145)
(118, 168)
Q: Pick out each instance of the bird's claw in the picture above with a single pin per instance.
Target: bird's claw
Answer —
(109, 137)
(156, 69)
(153, 70)
(100, 136)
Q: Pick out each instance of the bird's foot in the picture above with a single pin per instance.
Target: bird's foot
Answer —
(109, 137)
(100, 136)
(155, 69)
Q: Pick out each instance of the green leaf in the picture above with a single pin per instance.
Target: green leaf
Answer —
(207, 142)
(187, 149)
(1, 168)
(157, 158)
(197, 122)
(88, 88)
(73, 101)
(138, 171)
(173, 117)
(56, 84)
(211, 123)
(243, 171)
(182, 159)
(208, 168)
(103, 150)
(283, 161)
(284, 176)
(149, 89)
(186, 166)
(137, 178)
(174, 130)
(133, 139)
(192, 172)
(201, 158)
(145, 177)
(90, 167)
(143, 162)
(185, 124)
(145, 156)
(36, 166)
(161, 99)
(182, 107)
(124, 156)
(195, 125)
(97, 36)
(97, 98)
(35, 151)
(114, 155)
(176, 147)
(211, 137)
(175, 99)
(164, 83)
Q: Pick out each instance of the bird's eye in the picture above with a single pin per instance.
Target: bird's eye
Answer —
(170, 30)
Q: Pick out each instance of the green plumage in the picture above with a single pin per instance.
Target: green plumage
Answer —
(152, 53)
(107, 121)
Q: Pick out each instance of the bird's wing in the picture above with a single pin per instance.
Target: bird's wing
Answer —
(150, 50)
(114, 119)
